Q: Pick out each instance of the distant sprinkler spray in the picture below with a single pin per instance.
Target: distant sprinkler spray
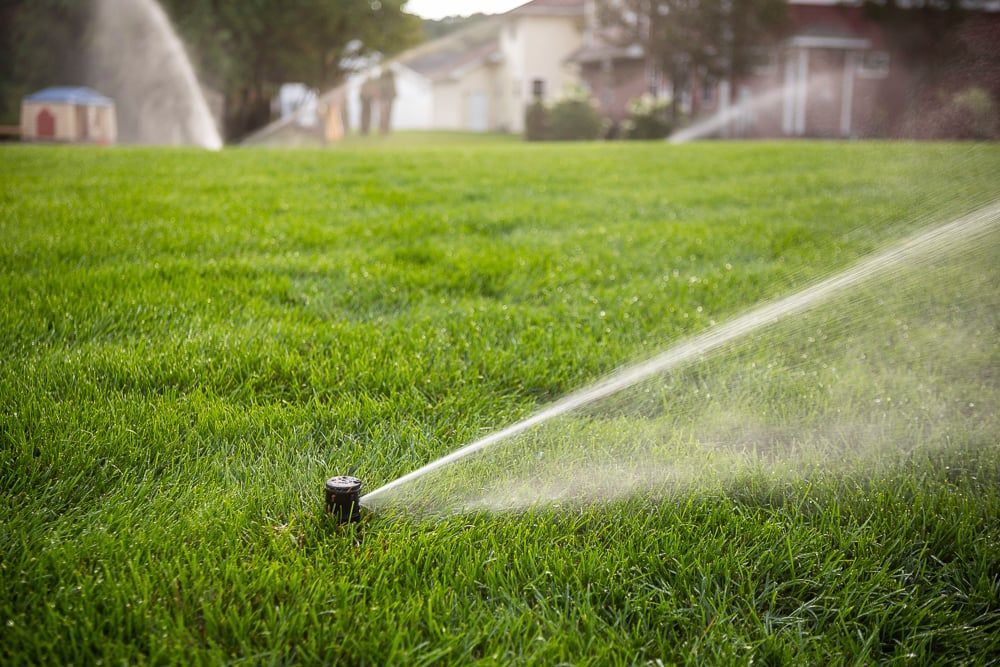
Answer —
(137, 57)
(343, 498)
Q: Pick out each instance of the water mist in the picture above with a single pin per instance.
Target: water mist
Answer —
(747, 110)
(890, 358)
(137, 58)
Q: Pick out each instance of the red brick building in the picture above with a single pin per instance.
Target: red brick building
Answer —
(836, 74)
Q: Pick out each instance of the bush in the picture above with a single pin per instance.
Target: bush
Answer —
(536, 122)
(974, 114)
(967, 114)
(571, 118)
(575, 118)
(648, 118)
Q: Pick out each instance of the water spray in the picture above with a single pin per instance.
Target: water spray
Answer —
(136, 57)
(748, 109)
(880, 264)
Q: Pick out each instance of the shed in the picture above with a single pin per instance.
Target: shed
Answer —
(74, 115)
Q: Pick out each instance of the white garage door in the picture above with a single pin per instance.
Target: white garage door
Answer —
(477, 117)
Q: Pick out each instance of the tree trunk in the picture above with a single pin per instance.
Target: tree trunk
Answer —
(675, 96)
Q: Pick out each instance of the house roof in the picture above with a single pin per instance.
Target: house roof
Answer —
(70, 95)
(829, 24)
(607, 43)
(601, 51)
(460, 50)
(612, 42)
(550, 8)
(437, 65)
(477, 44)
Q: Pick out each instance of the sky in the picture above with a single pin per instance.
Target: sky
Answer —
(435, 9)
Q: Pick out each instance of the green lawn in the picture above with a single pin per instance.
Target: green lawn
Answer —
(425, 139)
(192, 342)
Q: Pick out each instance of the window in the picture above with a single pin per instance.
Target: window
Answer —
(874, 64)
(538, 89)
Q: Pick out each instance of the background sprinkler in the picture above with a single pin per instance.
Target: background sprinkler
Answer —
(343, 498)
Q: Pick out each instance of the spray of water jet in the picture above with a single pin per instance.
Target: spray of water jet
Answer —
(894, 353)
(746, 111)
(137, 58)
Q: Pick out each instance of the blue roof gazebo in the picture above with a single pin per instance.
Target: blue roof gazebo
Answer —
(77, 96)
(68, 114)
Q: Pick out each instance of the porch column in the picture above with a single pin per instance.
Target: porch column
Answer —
(847, 93)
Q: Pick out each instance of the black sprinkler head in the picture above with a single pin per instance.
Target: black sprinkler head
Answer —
(343, 498)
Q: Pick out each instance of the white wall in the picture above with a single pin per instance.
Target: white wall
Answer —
(101, 124)
(63, 114)
(414, 101)
(548, 41)
(532, 47)
(424, 105)
(536, 47)
(412, 108)
(451, 99)
(512, 101)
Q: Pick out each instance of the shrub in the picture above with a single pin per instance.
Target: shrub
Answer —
(574, 118)
(648, 118)
(974, 114)
(967, 114)
(536, 122)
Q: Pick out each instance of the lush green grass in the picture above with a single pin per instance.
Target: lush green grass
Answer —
(192, 342)
(425, 139)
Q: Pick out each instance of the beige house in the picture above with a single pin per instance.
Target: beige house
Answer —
(73, 115)
(482, 78)
(536, 41)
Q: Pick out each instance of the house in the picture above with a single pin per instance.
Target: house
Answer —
(834, 75)
(478, 79)
(75, 115)
(481, 78)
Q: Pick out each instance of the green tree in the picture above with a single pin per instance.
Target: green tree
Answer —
(247, 49)
(39, 46)
(244, 49)
(435, 28)
(948, 47)
(703, 38)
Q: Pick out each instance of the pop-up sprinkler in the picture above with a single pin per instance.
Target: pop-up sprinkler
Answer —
(343, 498)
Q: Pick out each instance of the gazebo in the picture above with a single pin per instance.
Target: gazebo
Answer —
(73, 115)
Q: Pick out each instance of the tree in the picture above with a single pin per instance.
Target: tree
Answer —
(436, 28)
(247, 49)
(39, 46)
(698, 38)
(244, 50)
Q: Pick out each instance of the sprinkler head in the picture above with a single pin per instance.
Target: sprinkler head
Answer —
(343, 498)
